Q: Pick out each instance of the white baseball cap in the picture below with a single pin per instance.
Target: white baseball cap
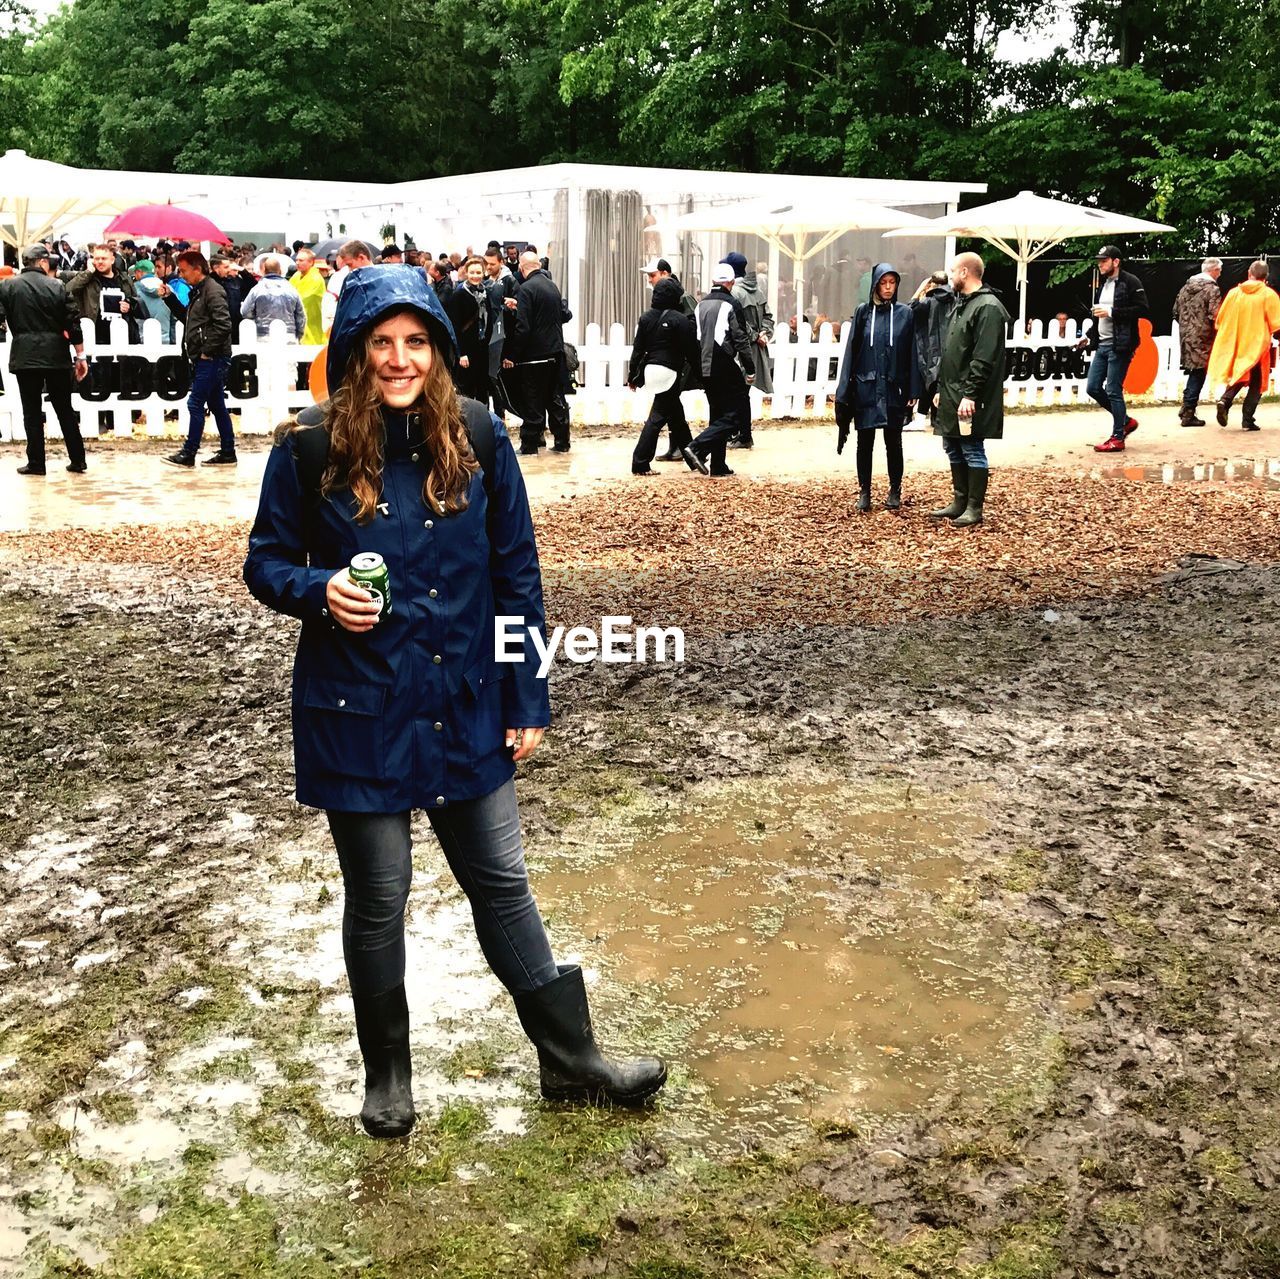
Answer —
(656, 264)
(722, 273)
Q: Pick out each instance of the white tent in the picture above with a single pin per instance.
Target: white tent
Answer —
(38, 197)
(1028, 226)
(799, 228)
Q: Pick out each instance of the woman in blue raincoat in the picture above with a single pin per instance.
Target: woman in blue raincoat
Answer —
(879, 382)
(407, 706)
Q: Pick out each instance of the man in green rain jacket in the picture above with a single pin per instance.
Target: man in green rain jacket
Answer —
(969, 405)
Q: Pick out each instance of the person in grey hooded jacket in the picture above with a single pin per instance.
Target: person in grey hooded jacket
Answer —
(759, 326)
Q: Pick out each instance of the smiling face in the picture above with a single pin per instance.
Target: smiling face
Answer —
(475, 273)
(401, 354)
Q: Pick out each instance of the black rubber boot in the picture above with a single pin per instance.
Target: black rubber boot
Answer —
(864, 500)
(960, 498)
(894, 500)
(977, 495)
(382, 1026)
(558, 1022)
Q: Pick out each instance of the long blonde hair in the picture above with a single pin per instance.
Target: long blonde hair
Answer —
(356, 433)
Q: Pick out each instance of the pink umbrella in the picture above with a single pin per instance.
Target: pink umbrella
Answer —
(156, 221)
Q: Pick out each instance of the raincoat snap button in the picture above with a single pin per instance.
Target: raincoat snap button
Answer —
(438, 726)
(414, 457)
(439, 799)
(433, 592)
(437, 659)
(430, 524)
(342, 701)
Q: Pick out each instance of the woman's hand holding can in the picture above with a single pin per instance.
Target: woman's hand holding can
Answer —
(351, 606)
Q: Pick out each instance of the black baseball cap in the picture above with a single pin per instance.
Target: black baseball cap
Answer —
(1110, 251)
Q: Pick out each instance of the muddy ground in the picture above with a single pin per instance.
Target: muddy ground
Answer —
(177, 1066)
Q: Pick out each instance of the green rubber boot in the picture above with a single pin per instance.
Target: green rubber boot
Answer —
(960, 483)
(977, 495)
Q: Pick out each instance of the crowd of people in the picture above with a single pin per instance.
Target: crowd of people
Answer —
(506, 310)
(508, 315)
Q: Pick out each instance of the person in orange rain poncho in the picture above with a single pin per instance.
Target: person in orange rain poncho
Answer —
(1241, 354)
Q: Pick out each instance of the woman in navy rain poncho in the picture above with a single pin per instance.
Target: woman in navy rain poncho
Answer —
(879, 382)
(410, 708)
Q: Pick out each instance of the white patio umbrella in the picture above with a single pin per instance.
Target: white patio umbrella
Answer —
(39, 197)
(1028, 226)
(799, 229)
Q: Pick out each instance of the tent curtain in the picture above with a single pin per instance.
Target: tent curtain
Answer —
(612, 284)
(558, 250)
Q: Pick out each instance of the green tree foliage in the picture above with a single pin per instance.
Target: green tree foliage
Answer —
(1164, 108)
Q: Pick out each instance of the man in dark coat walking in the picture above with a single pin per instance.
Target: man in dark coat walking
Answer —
(1195, 309)
(43, 322)
(1118, 303)
(728, 369)
(535, 345)
(206, 342)
(969, 402)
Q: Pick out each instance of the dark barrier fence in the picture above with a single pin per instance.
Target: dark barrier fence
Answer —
(1162, 281)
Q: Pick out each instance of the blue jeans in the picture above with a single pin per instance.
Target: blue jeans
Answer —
(1106, 384)
(481, 842)
(1194, 388)
(966, 450)
(209, 387)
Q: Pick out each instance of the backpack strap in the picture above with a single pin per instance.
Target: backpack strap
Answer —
(484, 443)
(311, 448)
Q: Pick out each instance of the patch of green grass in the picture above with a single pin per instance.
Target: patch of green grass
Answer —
(1023, 871)
(1086, 957)
(471, 1061)
(115, 1107)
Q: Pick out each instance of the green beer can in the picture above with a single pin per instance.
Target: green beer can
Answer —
(370, 571)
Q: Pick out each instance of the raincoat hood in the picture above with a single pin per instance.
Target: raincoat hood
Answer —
(1251, 286)
(750, 284)
(370, 293)
(878, 271)
(667, 294)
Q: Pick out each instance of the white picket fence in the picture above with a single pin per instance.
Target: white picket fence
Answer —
(806, 372)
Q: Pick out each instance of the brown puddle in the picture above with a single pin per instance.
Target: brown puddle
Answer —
(809, 938)
(1261, 473)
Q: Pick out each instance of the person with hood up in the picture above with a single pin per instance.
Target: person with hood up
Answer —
(1241, 356)
(737, 262)
(758, 322)
(665, 342)
(879, 382)
(402, 703)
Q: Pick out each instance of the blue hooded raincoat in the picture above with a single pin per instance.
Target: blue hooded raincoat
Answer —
(414, 713)
(880, 375)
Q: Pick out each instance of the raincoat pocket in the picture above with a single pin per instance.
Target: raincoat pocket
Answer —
(481, 729)
(339, 728)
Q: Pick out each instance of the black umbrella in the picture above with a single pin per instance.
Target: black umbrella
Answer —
(326, 247)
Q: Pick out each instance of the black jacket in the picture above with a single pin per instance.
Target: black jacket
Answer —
(932, 313)
(42, 321)
(1129, 306)
(538, 332)
(471, 317)
(665, 335)
(206, 319)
